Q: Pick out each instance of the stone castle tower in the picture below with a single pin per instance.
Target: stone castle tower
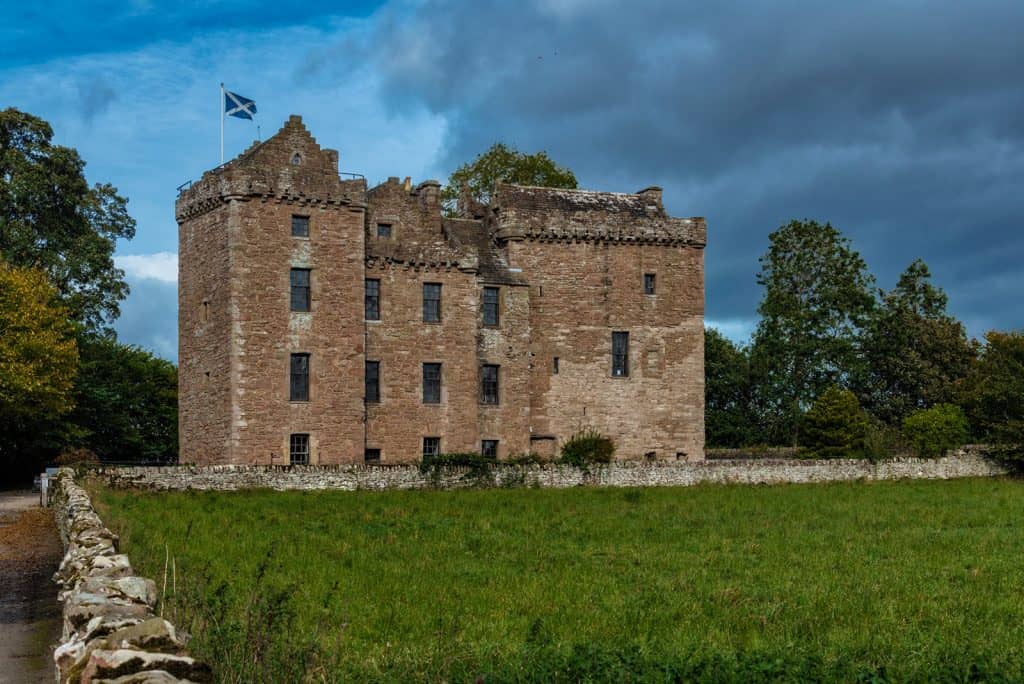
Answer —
(321, 321)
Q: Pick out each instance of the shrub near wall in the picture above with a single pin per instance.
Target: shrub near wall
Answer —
(934, 431)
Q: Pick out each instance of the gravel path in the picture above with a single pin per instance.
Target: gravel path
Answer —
(30, 551)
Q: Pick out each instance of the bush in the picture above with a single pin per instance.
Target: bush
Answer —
(882, 440)
(586, 447)
(835, 427)
(933, 431)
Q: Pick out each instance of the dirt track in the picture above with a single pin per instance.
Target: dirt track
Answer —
(30, 551)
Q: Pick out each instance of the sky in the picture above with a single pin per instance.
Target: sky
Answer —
(900, 122)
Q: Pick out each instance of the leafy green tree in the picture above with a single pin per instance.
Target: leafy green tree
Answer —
(993, 392)
(126, 404)
(934, 431)
(915, 353)
(472, 183)
(38, 362)
(728, 417)
(835, 426)
(51, 219)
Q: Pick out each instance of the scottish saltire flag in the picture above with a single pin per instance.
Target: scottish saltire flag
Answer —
(236, 105)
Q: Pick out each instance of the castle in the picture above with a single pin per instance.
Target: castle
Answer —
(322, 321)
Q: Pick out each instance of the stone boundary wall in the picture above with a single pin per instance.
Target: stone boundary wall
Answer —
(110, 633)
(967, 462)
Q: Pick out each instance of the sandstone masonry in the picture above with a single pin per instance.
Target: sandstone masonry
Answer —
(532, 290)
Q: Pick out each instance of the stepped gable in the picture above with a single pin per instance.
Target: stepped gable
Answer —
(536, 213)
(289, 166)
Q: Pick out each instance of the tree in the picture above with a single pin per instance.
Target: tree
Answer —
(914, 352)
(126, 404)
(472, 183)
(993, 392)
(835, 426)
(38, 361)
(934, 431)
(728, 417)
(817, 297)
(52, 220)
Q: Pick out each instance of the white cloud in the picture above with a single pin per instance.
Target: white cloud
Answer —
(162, 266)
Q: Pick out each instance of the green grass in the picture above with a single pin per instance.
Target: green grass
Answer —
(906, 581)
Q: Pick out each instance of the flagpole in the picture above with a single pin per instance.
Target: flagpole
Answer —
(221, 123)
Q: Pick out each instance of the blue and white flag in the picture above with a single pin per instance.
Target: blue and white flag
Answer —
(236, 105)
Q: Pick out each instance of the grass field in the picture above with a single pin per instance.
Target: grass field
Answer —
(906, 581)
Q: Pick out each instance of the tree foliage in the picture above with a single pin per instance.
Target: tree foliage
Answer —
(51, 219)
(38, 362)
(835, 426)
(934, 431)
(993, 392)
(126, 404)
(817, 297)
(728, 417)
(915, 353)
(475, 181)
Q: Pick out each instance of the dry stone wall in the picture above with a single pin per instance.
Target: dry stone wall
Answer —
(968, 462)
(110, 632)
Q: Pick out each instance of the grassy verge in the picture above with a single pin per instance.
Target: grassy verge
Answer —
(907, 581)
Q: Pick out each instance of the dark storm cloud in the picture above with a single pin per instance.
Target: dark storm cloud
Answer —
(901, 123)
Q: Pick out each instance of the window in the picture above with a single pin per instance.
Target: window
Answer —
(299, 385)
(431, 383)
(300, 226)
(432, 302)
(431, 446)
(489, 448)
(372, 299)
(648, 283)
(489, 384)
(620, 354)
(300, 289)
(491, 306)
(554, 366)
(384, 231)
(372, 382)
(371, 456)
(298, 449)
(296, 159)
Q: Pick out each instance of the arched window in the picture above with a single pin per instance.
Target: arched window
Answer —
(296, 159)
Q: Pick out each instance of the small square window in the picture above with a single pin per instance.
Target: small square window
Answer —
(298, 449)
(384, 231)
(300, 226)
(299, 280)
(491, 295)
(431, 446)
(432, 302)
(489, 448)
(371, 456)
(648, 283)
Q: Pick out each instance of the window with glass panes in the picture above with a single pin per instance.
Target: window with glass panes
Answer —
(489, 448)
(372, 299)
(300, 298)
(620, 354)
(431, 383)
(298, 450)
(372, 381)
(489, 384)
(300, 226)
(491, 306)
(432, 302)
(431, 446)
(298, 386)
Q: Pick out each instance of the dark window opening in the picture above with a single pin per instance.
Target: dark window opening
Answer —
(648, 283)
(298, 449)
(432, 302)
(620, 354)
(489, 448)
(372, 299)
(431, 383)
(489, 384)
(296, 159)
(299, 385)
(372, 381)
(554, 366)
(431, 446)
(371, 456)
(300, 289)
(384, 231)
(300, 226)
(491, 306)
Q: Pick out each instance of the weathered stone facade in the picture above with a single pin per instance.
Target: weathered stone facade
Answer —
(570, 268)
